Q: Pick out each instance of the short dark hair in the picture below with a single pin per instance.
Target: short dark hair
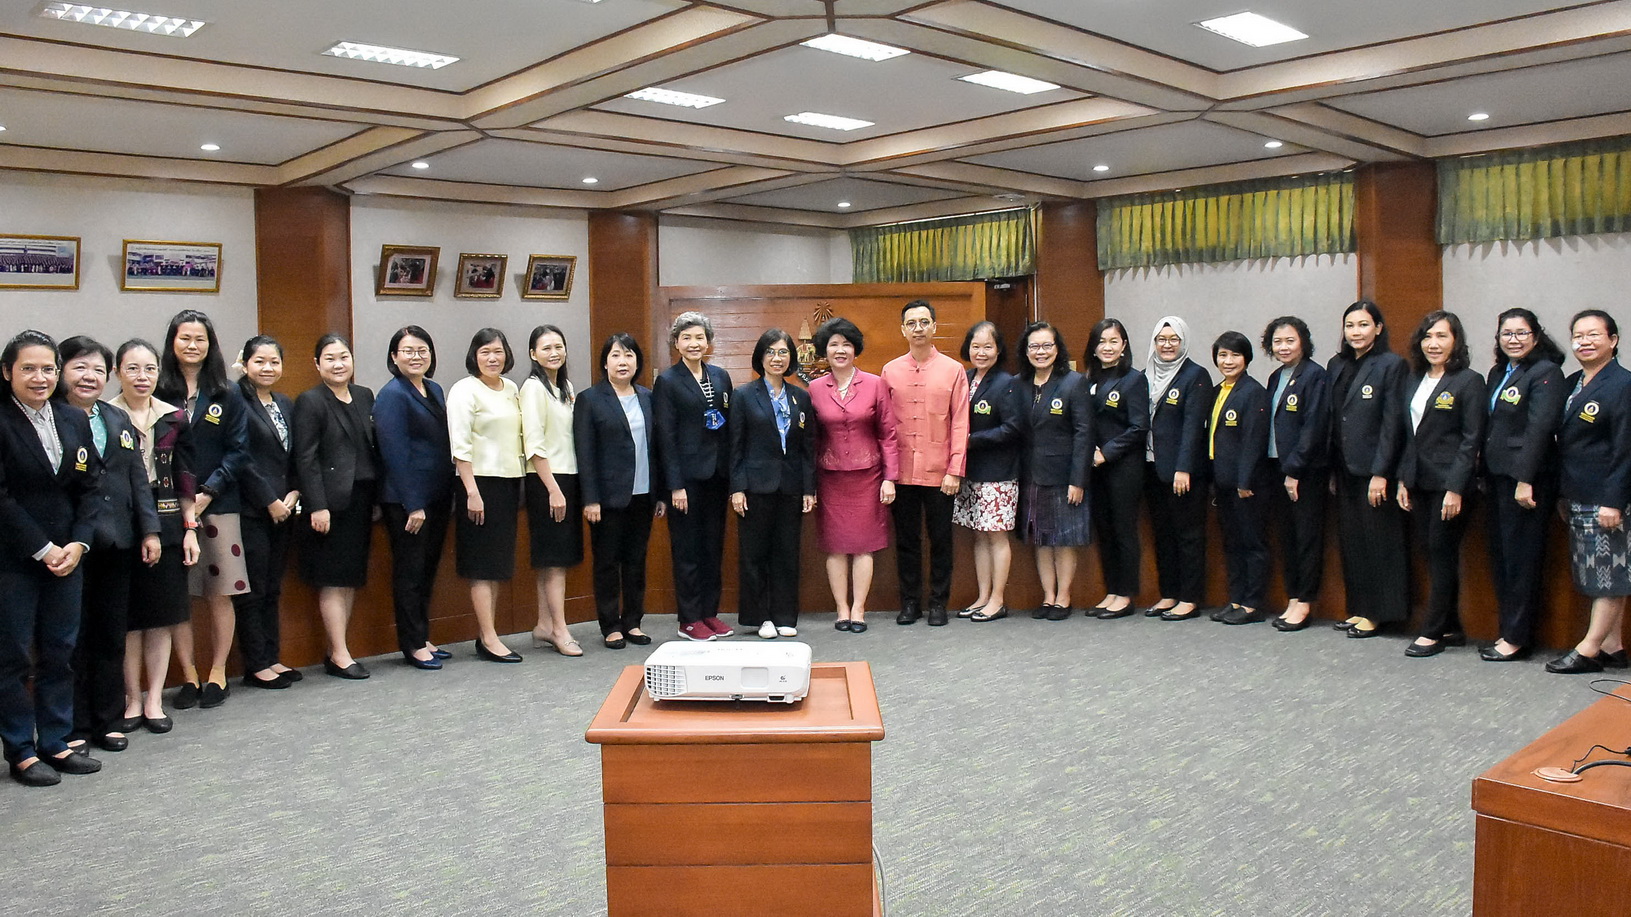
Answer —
(996, 336)
(1608, 322)
(917, 304)
(837, 327)
(481, 339)
(29, 338)
(1375, 312)
(1545, 348)
(250, 346)
(627, 342)
(332, 337)
(133, 344)
(81, 344)
(212, 375)
(1234, 342)
(537, 372)
(1458, 354)
(1061, 354)
(1090, 357)
(1295, 324)
(771, 337)
(410, 331)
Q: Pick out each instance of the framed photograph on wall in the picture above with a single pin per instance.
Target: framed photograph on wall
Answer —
(480, 276)
(39, 262)
(175, 267)
(549, 276)
(407, 270)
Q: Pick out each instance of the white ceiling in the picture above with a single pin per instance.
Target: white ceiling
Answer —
(537, 101)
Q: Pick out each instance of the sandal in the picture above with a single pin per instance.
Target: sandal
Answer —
(567, 647)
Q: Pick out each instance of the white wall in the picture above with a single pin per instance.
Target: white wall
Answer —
(104, 212)
(697, 252)
(1233, 296)
(476, 228)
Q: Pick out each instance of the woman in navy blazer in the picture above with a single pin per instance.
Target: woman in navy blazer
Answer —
(48, 509)
(1520, 453)
(1299, 445)
(1594, 457)
(1367, 428)
(1121, 429)
(989, 498)
(1238, 446)
(416, 496)
(1175, 470)
(270, 496)
(772, 482)
(1057, 460)
(622, 485)
(1444, 427)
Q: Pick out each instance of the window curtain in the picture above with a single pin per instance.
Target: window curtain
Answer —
(1569, 189)
(1000, 244)
(1269, 218)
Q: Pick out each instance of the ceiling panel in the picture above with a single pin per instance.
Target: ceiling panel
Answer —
(539, 165)
(901, 94)
(1186, 145)
(862, 194)
(104, 125)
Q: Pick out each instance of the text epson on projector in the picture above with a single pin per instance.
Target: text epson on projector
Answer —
(778, 672)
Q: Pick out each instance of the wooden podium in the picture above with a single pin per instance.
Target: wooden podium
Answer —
(740, 808)
(1557, 848)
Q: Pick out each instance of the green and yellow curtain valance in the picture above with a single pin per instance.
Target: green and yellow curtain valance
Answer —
(1268, 218)
(1564, 190)
(986, 245)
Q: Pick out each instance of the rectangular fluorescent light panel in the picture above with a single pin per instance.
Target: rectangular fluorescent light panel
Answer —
(1252, 29)
(355, 51)
(854, 47)
(122, 19)
(673, 97)
(816, 119)
(1011, 82)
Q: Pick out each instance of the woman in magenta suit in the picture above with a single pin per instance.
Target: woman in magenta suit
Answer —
(856, 465)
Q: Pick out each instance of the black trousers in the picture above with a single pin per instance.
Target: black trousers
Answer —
(696, 541)
(768, 560)
(99, 656)
(918, 507)
(39, 618)
(266, 554)
(1517, 551)
(414, 558)
(1442, 541)
(1302, 533)
(1375, 568)
(1179, 527)
(1117, 487)
(618, 542)
(1244, 523)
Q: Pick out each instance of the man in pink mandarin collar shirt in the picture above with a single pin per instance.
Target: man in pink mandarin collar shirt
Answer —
(929, 394)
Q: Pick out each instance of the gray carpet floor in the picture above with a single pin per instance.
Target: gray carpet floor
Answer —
(1129, 767)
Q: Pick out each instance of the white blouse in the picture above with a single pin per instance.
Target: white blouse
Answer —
(546, 422)
(484, 428)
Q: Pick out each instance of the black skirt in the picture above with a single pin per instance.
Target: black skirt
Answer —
(340, 557)
(158, 594)
(555, 544)
(487, 551)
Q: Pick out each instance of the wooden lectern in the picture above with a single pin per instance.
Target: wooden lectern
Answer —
(720, 809)
(1557, 848)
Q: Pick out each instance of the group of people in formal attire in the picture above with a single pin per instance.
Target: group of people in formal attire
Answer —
(117, 512)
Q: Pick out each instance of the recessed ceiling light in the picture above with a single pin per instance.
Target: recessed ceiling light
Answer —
(1101, 167)
(1012, 82)
(210, 147)
(122, 19)
(673, 97)
(1273, 145)
(382, 55)
(1478, 116)
(843, 204)
(854, 47)
(421, 165)
(591, 180)
(817, 119)
(1252, 29)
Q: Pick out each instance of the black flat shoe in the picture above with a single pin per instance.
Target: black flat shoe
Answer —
(1286, 627)
(292, 676)
(354, 671)
(639, 639)
(441, 654)
(857, 627)
(1614, 660)
(841, 625)
(981, 616)
(1105, 614)
(1423, 650)
(969, 611)
(213, 695)
(128, 724)
(158, 725)
(270, 684)
(1361, 634)
(1343, 625)
(1217, 613)
(1453, 638)
(482, 652)
(1491, 654)
(1239, 615)
(1190, 615)
(1040, 612)
(36, 774)
(109, 741)
(1154, 612)
(1573, 663)
(1059, 612)
(614, 644)
(71, 763)
(430, 665)
(187, 697)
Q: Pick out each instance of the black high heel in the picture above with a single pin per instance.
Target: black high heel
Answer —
(482, 652)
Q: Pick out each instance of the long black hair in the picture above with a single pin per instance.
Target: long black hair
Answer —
(1375, 312)
(1459, 359)
(1090, 359)
(212, 374)
(562, 391)
(1545, 348)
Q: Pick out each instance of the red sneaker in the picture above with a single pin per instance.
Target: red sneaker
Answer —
(697, 630)
(720, 628)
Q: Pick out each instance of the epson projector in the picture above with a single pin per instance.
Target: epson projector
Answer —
(777, 671)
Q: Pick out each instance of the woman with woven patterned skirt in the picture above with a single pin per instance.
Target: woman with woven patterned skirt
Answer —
(988, 502)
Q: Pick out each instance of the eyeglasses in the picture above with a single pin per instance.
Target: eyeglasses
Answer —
(1589, 336)
(1040, 347)
(413, 352)
(1516, 335)
(1174, 341)
(778, 352)
(918, 324)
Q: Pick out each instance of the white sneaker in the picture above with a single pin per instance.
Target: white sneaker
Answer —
(788, 631)
(767, 630)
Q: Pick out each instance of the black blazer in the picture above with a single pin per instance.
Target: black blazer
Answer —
(689, 450)
(1178, 428)
(1302, 422)
(757, 463)
(605, 447)
(995, 428)
(1519, 440)
(271, 474)
(1121, 421)
(1241, 441)
(414, 451)
(128, 510)
(220, 448)
(1058, 431)
(39, 506)
(333, 443)
(1594, 441)
(1368, 425)
(1442, 453)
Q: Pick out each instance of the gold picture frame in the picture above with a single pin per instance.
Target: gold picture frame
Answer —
(549, 276)
(481, 276)
(39, 262)
(407, 270)
(170, 267)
